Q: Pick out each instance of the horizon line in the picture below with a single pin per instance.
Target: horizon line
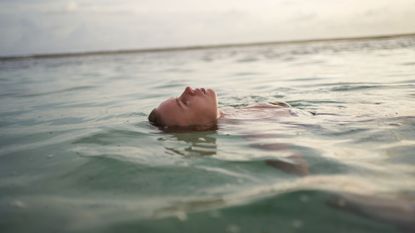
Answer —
(197, 47)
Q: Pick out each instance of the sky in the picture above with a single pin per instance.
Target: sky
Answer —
(58, 26)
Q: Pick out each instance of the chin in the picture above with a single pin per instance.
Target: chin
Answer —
(212, 94)
(211, 91)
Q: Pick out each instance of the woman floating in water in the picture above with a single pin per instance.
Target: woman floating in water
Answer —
(197, 109)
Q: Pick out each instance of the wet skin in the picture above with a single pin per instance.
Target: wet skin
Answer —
(194, 107)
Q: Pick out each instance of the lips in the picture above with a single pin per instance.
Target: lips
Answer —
(200, 91)
(197, 91)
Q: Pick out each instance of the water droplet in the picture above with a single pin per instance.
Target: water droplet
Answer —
(297, 223)
(232, 228)
(18, 204)
(182, 216)
(215, 214)
(304, 198)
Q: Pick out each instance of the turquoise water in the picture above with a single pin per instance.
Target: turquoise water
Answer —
(78, 155)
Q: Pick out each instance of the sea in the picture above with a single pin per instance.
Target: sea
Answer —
(77, 153)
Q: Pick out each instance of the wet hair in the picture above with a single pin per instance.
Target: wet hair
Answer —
(155, 118)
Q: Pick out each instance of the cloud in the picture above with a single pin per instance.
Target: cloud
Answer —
(50, 26)
(71, 6)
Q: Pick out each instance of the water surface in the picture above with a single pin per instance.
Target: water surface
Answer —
(78, 155)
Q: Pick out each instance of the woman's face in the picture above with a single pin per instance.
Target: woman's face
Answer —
(194, 107)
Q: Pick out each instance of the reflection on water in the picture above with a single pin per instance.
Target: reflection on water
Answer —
(77, 152)
(190, 143)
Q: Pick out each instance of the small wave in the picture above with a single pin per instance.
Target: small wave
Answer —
(305, 79)
(72, 89)
(354, 87)
(247, 59)
(109, 137)
(246, 74)
(408, 64)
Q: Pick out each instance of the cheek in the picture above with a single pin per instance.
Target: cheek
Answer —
(172, 115)
(205, 108)
(181, 119)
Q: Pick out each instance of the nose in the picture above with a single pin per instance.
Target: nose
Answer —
(189, 91)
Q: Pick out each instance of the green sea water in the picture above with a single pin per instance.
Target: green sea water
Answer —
(77, 153)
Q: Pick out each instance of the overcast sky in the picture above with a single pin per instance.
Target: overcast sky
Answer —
(53, 26)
